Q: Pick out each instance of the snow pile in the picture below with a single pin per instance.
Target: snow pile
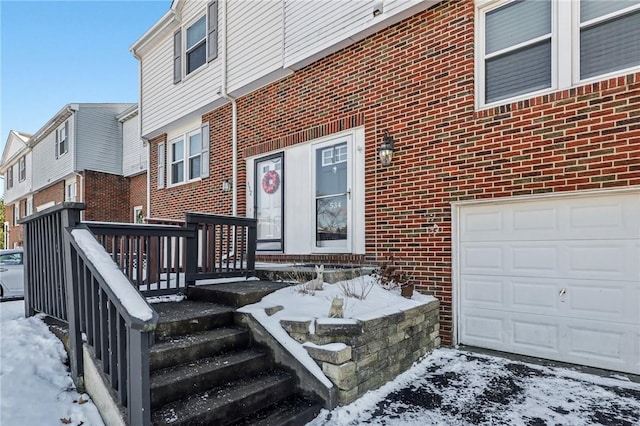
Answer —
(35, 386)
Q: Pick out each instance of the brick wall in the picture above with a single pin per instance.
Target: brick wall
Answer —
(137, 194)
(15, 232)
(53, 193)
(106, 197)
(416, 80)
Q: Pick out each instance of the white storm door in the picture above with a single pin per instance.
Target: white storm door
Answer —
(332, 195)
(269, 202)
(556, 278)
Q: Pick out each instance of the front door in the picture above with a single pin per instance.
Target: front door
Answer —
(269, 202)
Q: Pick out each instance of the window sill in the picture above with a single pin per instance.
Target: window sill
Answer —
(187, 182)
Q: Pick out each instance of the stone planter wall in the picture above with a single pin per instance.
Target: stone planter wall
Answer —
(361, 354)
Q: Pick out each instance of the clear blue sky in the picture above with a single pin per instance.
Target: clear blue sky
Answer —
(59, 52)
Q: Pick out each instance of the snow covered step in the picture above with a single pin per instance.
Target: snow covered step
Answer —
(226, 404)
(188, 348)
(190, 316)
(235, 294)
(296, 410)
(177, 382)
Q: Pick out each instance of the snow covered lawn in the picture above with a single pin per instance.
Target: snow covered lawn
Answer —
(452, 387)
(35, 386)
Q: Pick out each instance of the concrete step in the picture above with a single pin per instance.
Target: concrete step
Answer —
(228, 403)
(178, 382)
(190, 316)
(235, 294)
(296, 410)
(188, 348)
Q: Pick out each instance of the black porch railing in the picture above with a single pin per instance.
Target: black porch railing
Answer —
(95, 275)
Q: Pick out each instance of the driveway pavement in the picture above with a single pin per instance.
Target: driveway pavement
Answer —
(453, 387)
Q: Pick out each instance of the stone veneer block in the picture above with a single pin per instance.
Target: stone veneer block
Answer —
(335, 353)
(339, 372)
(298, 326)
(338, 327)
(274, 309)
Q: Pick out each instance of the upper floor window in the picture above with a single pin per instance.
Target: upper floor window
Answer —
(196, 45)
(9, 179)
(62, 140)
(527, 47)
(189, 156)
(200, 43)
(22, 169)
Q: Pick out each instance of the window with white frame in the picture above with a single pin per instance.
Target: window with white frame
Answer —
(189, 155)
(200, 43)
(527, 47)
(9, 177)
(70, 192)
(22, 169)
(16, 214)
(29, 206)
(62, 140)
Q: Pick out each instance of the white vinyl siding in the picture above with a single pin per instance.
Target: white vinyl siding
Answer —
(99, 138)
(254, 39)
(527, 48)
(134, 150)
(19, 188)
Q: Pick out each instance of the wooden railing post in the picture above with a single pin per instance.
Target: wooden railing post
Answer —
(191, 249)
(252, 236)
(70, 218)
(139, 407)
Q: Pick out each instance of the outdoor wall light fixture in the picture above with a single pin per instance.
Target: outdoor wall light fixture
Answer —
(226, 185)
(385, 152)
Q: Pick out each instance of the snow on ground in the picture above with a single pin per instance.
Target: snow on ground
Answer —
(35, 385)
(452, 387)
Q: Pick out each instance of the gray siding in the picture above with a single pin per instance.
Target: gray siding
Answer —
(47, 169)
(99, 138)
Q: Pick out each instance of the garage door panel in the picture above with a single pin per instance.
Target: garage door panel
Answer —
(554, 219)
(535, 334)
(616, 260)
(557, 278)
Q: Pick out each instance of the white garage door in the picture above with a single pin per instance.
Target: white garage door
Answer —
(557, 278)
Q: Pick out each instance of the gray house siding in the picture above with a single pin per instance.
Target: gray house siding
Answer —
(99, 138)
(47, 167)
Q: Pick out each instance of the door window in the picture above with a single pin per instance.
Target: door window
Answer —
(269, 202)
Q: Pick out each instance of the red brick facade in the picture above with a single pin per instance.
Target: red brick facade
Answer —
(15, 232)
(416, 80)
(137, 194)
(106, 197)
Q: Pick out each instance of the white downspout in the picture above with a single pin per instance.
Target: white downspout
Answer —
(234, 114)
(144, 140)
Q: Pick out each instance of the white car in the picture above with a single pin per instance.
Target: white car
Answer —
(11, 273)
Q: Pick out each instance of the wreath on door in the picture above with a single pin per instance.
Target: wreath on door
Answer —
(270, 182)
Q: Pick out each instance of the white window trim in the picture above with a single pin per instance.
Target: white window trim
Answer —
(185, 159)
(22, 169)
(137, 210)
(9, 178)
(16, 213)
(565, 69)
(60, 140)
(185, 57)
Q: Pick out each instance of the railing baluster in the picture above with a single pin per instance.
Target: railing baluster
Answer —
(96, 302)
(113, 345)
(88, 302)
(122, 361)
(104, 331)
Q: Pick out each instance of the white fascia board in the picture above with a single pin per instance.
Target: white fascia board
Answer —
(55, 121)
(158, 30)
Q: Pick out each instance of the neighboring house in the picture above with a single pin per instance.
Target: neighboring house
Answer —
(89, 153)
(134, 164)
(513, 194)
(15, 166)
